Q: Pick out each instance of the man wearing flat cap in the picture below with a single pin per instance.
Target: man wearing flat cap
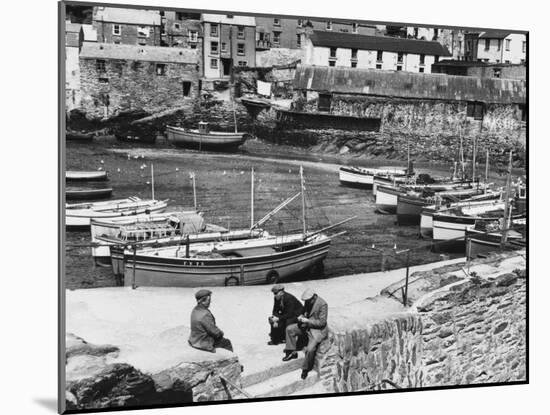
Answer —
(286, 309)
(312, 323)
(205, 335)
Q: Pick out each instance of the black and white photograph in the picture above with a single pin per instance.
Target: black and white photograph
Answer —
(265, 207)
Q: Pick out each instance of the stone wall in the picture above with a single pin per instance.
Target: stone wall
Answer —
(458, 331)
(377, 356)
(130, 85)
(433, 129)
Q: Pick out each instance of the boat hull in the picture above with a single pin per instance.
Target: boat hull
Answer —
(409, 209)
(480, 244)
(211, 140)
(88, 194)
(386, 200)
(355, 178)
(85, 176)
(180, 272)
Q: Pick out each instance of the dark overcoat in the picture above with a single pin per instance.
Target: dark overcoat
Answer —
(204, 331)
(288, 308)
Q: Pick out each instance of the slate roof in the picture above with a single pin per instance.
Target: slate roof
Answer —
(401, 84)
(93, 50)
(385, 43)
(494, 34)
(129, 16)
(223, 19)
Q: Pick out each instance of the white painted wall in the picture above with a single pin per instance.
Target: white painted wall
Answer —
(515, 54)
(208, 71)
(72, 77)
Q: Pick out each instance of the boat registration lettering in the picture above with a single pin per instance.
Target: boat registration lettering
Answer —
(193, 263)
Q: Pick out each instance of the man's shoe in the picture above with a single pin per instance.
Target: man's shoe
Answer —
(304, 374)
(290, 356)
(272, 343)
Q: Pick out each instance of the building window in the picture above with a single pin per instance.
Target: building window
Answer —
(354, 54)
(329, 25)
(103, 80)
(331, 63)
(487, 44)
(523, 109)
(240, 48)
(240, 32)
(187, 88)
(143, 31)
(415, 32)
(243, 63)
(299, 40)
(333, 52)
(214, 48)
(496, 72)
(507, 44)
(324, 102)
(276, 22)
(213, 30)
(459, 45)
(177, 26)
(524, 46)
(378, 66)
(499, 44)
(193, 36)
(224, 47)
(100, 65)
(354, 27)
(354, 64)
(421, 70)
(379, 56)
(116, 29)
(276, 37)
(436, 33)
(399, 67)
(300, 22)
(422, 59)
(161, 69)
(119, 67)
(436, 59)
(475, 110)
(214, 63)
(400, 57)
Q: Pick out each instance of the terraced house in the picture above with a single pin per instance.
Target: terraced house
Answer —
(228, 41)
(374, 52)
(496, 47)
(127, 26)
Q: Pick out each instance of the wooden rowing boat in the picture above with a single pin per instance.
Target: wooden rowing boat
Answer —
(203, 138)
(85, 176)
(88, 194)
(364, 178)
(79, 215)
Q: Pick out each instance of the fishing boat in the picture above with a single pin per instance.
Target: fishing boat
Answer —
(411, 204)
(78, 193)
(203, 138)
(71, 135)
(264, 260)
(109, 231)
(247, 262)
(487, 237)
(85, 176)
(364, 178)
(79, 215)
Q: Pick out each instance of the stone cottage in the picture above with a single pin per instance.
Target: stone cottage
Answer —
(127, 77)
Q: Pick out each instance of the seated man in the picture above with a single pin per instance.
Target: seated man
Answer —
(314, 324)
(205, 335)
(286, 308)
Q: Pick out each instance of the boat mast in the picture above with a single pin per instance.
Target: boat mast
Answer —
(505, 220)
(152, 182)
(194, 190)
(474, 159)
(486, 169)
(252, 200)
(232, 89)
(303, 200)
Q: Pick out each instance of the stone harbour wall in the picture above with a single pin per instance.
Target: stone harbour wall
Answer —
(476, 334)
(379, 356)
(459, 331)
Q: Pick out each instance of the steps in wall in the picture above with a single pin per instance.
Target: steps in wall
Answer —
(283, 385)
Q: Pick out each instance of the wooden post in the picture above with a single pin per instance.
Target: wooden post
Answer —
(152, 182)
(506, 205)
(134, 269)
(407, 278)
(303, 200)
(474, 159)
(486, 170)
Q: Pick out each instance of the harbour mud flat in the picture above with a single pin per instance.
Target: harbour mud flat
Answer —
(223, 194)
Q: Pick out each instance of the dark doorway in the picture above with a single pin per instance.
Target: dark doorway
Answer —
(226, 66)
